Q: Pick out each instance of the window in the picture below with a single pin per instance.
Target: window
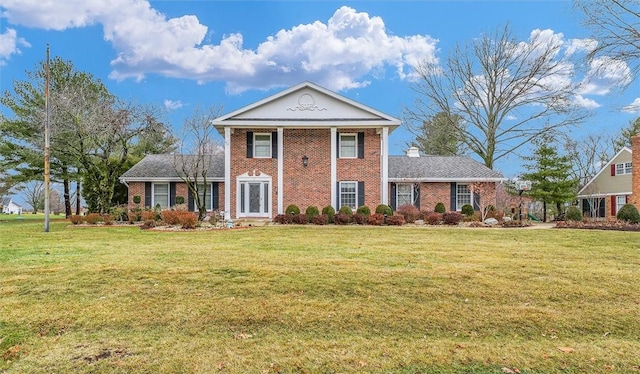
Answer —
(348, 194)
(624, 168)
(348, 146)
(207, 197)
(620, 201)
(463, 196)
(262, 145)
(404, 194)
(161, 195)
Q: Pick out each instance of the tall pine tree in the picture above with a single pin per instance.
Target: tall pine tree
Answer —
(550, 174)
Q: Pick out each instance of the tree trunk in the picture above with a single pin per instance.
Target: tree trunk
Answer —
(78, 198)
(67, 198)
(544, 211)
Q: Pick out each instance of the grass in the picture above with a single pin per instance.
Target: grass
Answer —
(318, 300)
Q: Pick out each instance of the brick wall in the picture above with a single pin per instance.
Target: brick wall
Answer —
(366, 169)
(137, 189)
(635, 178)
(440, 192)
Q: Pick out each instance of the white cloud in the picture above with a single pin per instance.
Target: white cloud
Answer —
(634, 107)
(173, 105)
(9, 42)
(338, 54)
(604, 75)
(580, 45)
(586, 103)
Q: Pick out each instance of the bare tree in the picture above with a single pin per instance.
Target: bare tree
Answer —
(34, 195)
(587, 156)
(616, 26)
(198, 148)
(507, 93)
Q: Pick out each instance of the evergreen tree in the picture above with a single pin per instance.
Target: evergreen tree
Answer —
(439, 135)
(550, 174)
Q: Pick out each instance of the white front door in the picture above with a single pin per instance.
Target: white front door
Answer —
(254, 197)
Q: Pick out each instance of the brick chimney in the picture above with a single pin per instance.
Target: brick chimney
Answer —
(635, 178)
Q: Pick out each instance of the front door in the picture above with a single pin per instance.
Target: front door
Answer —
(254, 198)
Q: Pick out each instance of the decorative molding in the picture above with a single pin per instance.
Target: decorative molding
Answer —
(306, 102)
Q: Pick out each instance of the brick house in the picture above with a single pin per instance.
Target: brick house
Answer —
(310, 146)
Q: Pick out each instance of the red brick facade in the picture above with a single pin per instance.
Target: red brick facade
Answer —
(138, 189)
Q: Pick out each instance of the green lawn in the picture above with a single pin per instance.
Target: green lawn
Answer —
(318, 300)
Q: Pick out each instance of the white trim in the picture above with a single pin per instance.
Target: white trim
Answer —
(153, 194)
(384, 167)
(607, 166)
(355, 195)
(461, 180)
(280, 188)
(411, 195)
(355, 148)
(255, 134)
(227, 173)
(256, 178)
(334, 167)
(602, 195)
(165, 179)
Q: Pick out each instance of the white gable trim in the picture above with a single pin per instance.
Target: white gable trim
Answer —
(605, 167)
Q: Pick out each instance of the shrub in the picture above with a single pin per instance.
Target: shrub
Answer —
(329, 212)
(364, 210)
(179, 200)
(92, 218)
(311, 212)
(188, 220)
(346, 210)
(376, 219)
(440, 208)
(434, 218)
(107, 219)
(299, 219)
(148, 215)
(409, 212)
(451, 218)
(76, 219)
(119, 213)
(396, 220)
(320, 219)
(171, 217)
(497, 214)
(148, 225)
(137, 199)
(341, 219)
(384, 209)
(281, 219)
(360, 219)
(573, 214)
(467, 210)
(292, 209)
(628, 213)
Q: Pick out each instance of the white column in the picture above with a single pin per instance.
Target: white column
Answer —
(280, 170)
(384, 165)
(227, 173)
(334, 166)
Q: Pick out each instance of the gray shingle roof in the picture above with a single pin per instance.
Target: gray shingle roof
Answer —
(439, 168)
(164, 167)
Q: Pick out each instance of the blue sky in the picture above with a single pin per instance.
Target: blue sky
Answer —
(184, 54)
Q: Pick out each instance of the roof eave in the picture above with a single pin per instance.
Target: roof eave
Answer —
(464, 180)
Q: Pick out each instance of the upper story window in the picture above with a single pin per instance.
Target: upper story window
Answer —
(161, 195)
(262, 145)
(463, 195)
(348, 146)
(623, 168)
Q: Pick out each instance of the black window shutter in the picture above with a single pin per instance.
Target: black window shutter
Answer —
(393, 196)
(215, 195)
(416, 195)
(476, 201)
(338, 196)
(147, 194)
(360, 193)
(337, 145)
(452, 205)
(172, 194)
(190, 203)
(274, 144)
(360, 145)
(249, 144)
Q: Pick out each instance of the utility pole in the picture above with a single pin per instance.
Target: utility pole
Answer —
(47, 172)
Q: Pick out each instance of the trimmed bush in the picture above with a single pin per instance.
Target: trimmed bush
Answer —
(300, 219)
(320, 219)
(364, 210)
(360, 219)
(628, 213)
(341, 219)
(451, 218)
(311, 212)
(137, 199)
(433, 218)
(179, 200)
(92, 218)
(409, 212)
(76, 219)
(107, 219)
(440, 208)
(148, 215)
(346, 210)
(329, 212)
(384, 209)
(148, 225)
(376, 219)
(282, 219)
(467, 210)
(396, 220)
(292, 209)
(188, 220)
(573, 214)
(171, 217)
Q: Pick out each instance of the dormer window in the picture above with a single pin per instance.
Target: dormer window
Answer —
(623, 168)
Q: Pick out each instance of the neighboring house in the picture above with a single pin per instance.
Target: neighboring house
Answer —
(610, 189)
(310, 146)
(7, 206)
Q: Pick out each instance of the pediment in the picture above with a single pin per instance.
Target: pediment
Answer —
(306, 105)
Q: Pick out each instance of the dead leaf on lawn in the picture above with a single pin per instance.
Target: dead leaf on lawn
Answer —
(566, 349)
(507, 370)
